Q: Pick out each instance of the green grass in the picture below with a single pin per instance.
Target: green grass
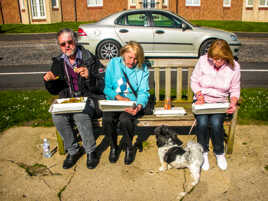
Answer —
(38, 28)
(20, 107)
(31, 107)
(235, 26)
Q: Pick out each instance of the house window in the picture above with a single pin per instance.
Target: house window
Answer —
(226, 3)
(192, 2)
(22, 6)
(38, 9)
(148, 3)
(133, 2)
(263, 3)
(94, 3)
(249, 3)
(165, 3)
(55, 4)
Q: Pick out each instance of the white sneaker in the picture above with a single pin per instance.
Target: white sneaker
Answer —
(221, 161)
(205, 165)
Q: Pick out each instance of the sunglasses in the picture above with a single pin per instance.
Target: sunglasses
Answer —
(69, 42)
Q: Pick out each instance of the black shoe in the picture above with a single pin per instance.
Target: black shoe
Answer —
(113, 154)
(92, 160)
(72, 159)
(129, 156)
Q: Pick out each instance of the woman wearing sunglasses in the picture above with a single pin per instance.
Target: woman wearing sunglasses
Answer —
(215, 79)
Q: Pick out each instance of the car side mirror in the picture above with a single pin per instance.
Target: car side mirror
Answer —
(184, 26)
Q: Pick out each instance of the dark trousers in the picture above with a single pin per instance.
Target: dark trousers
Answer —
(126, 122)
(215, 123)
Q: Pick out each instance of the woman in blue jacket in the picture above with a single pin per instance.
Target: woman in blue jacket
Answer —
(131, 62)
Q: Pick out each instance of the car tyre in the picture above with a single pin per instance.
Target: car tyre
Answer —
(205, 46)
(108, 49)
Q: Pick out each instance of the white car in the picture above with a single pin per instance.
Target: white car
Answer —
(161, 34)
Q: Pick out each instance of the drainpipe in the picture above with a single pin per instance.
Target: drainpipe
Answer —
(2, 12)
(28, 10)
(177, 7)
(75, 11)
(61, 10)
(19, 11)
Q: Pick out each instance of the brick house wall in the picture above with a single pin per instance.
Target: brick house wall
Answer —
(208, 10)
(10, 12)
(85, 13)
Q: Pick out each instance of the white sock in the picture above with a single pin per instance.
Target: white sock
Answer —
(221, 161)
(205, 165)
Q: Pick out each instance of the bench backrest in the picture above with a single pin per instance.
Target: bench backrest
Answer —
(169, 66)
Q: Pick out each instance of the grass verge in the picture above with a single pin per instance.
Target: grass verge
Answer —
(235, 26)
(31, 107)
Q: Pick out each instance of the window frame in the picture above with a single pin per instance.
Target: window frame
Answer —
(249, 6)
(57, 4)
(95, 5)
(22, 5)
(263, 6)
(165, 3)
(38, 17)
(227, 5)
(192, 3)
(133, 2)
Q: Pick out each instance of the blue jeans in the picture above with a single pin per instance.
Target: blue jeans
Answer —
(215, 123)
(64, 124)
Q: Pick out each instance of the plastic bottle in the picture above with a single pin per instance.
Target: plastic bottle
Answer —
(167, 105)
(46, 149)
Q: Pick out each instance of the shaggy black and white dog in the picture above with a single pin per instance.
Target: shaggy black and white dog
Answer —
(172, 155)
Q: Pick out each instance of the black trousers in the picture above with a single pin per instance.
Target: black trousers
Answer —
(126, 122)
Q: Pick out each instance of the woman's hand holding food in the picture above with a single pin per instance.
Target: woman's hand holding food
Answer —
(199, 98)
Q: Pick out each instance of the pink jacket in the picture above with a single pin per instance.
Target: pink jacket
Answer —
(215, 85)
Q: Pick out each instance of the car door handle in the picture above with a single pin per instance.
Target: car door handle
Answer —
(123, 30)
(159, 32)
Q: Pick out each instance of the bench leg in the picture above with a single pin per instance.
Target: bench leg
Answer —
(60, 144)
(230, 139)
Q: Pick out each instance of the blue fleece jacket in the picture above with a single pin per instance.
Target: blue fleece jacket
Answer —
(116, 84)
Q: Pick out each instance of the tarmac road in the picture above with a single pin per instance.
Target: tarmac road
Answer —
(25, 57)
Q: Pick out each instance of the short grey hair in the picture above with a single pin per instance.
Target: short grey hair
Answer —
(69, 31)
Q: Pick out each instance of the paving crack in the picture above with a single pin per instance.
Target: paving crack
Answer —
(59, 194)
(36, 169)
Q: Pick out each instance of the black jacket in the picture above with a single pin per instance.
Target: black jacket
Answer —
(91, 87)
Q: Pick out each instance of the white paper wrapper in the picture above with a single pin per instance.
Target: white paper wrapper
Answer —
(115, 105)
(59, 108)
(174, 111)
(210, 108)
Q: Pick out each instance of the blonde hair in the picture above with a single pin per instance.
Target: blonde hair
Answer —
(136, 48)
(220, 49)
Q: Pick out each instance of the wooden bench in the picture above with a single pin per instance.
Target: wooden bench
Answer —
(181, 70)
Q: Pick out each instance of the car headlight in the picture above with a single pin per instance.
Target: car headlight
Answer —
(233, 37)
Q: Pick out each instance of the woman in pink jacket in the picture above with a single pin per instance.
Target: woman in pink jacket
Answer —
(216, 78)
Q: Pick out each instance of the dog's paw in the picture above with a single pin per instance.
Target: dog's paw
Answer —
(181, 195)
(162, 169)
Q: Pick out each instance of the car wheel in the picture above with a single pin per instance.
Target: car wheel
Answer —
(205, 46)
(108, 49)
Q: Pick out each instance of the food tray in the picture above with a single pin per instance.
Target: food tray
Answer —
(210, 108)
(68, 105)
